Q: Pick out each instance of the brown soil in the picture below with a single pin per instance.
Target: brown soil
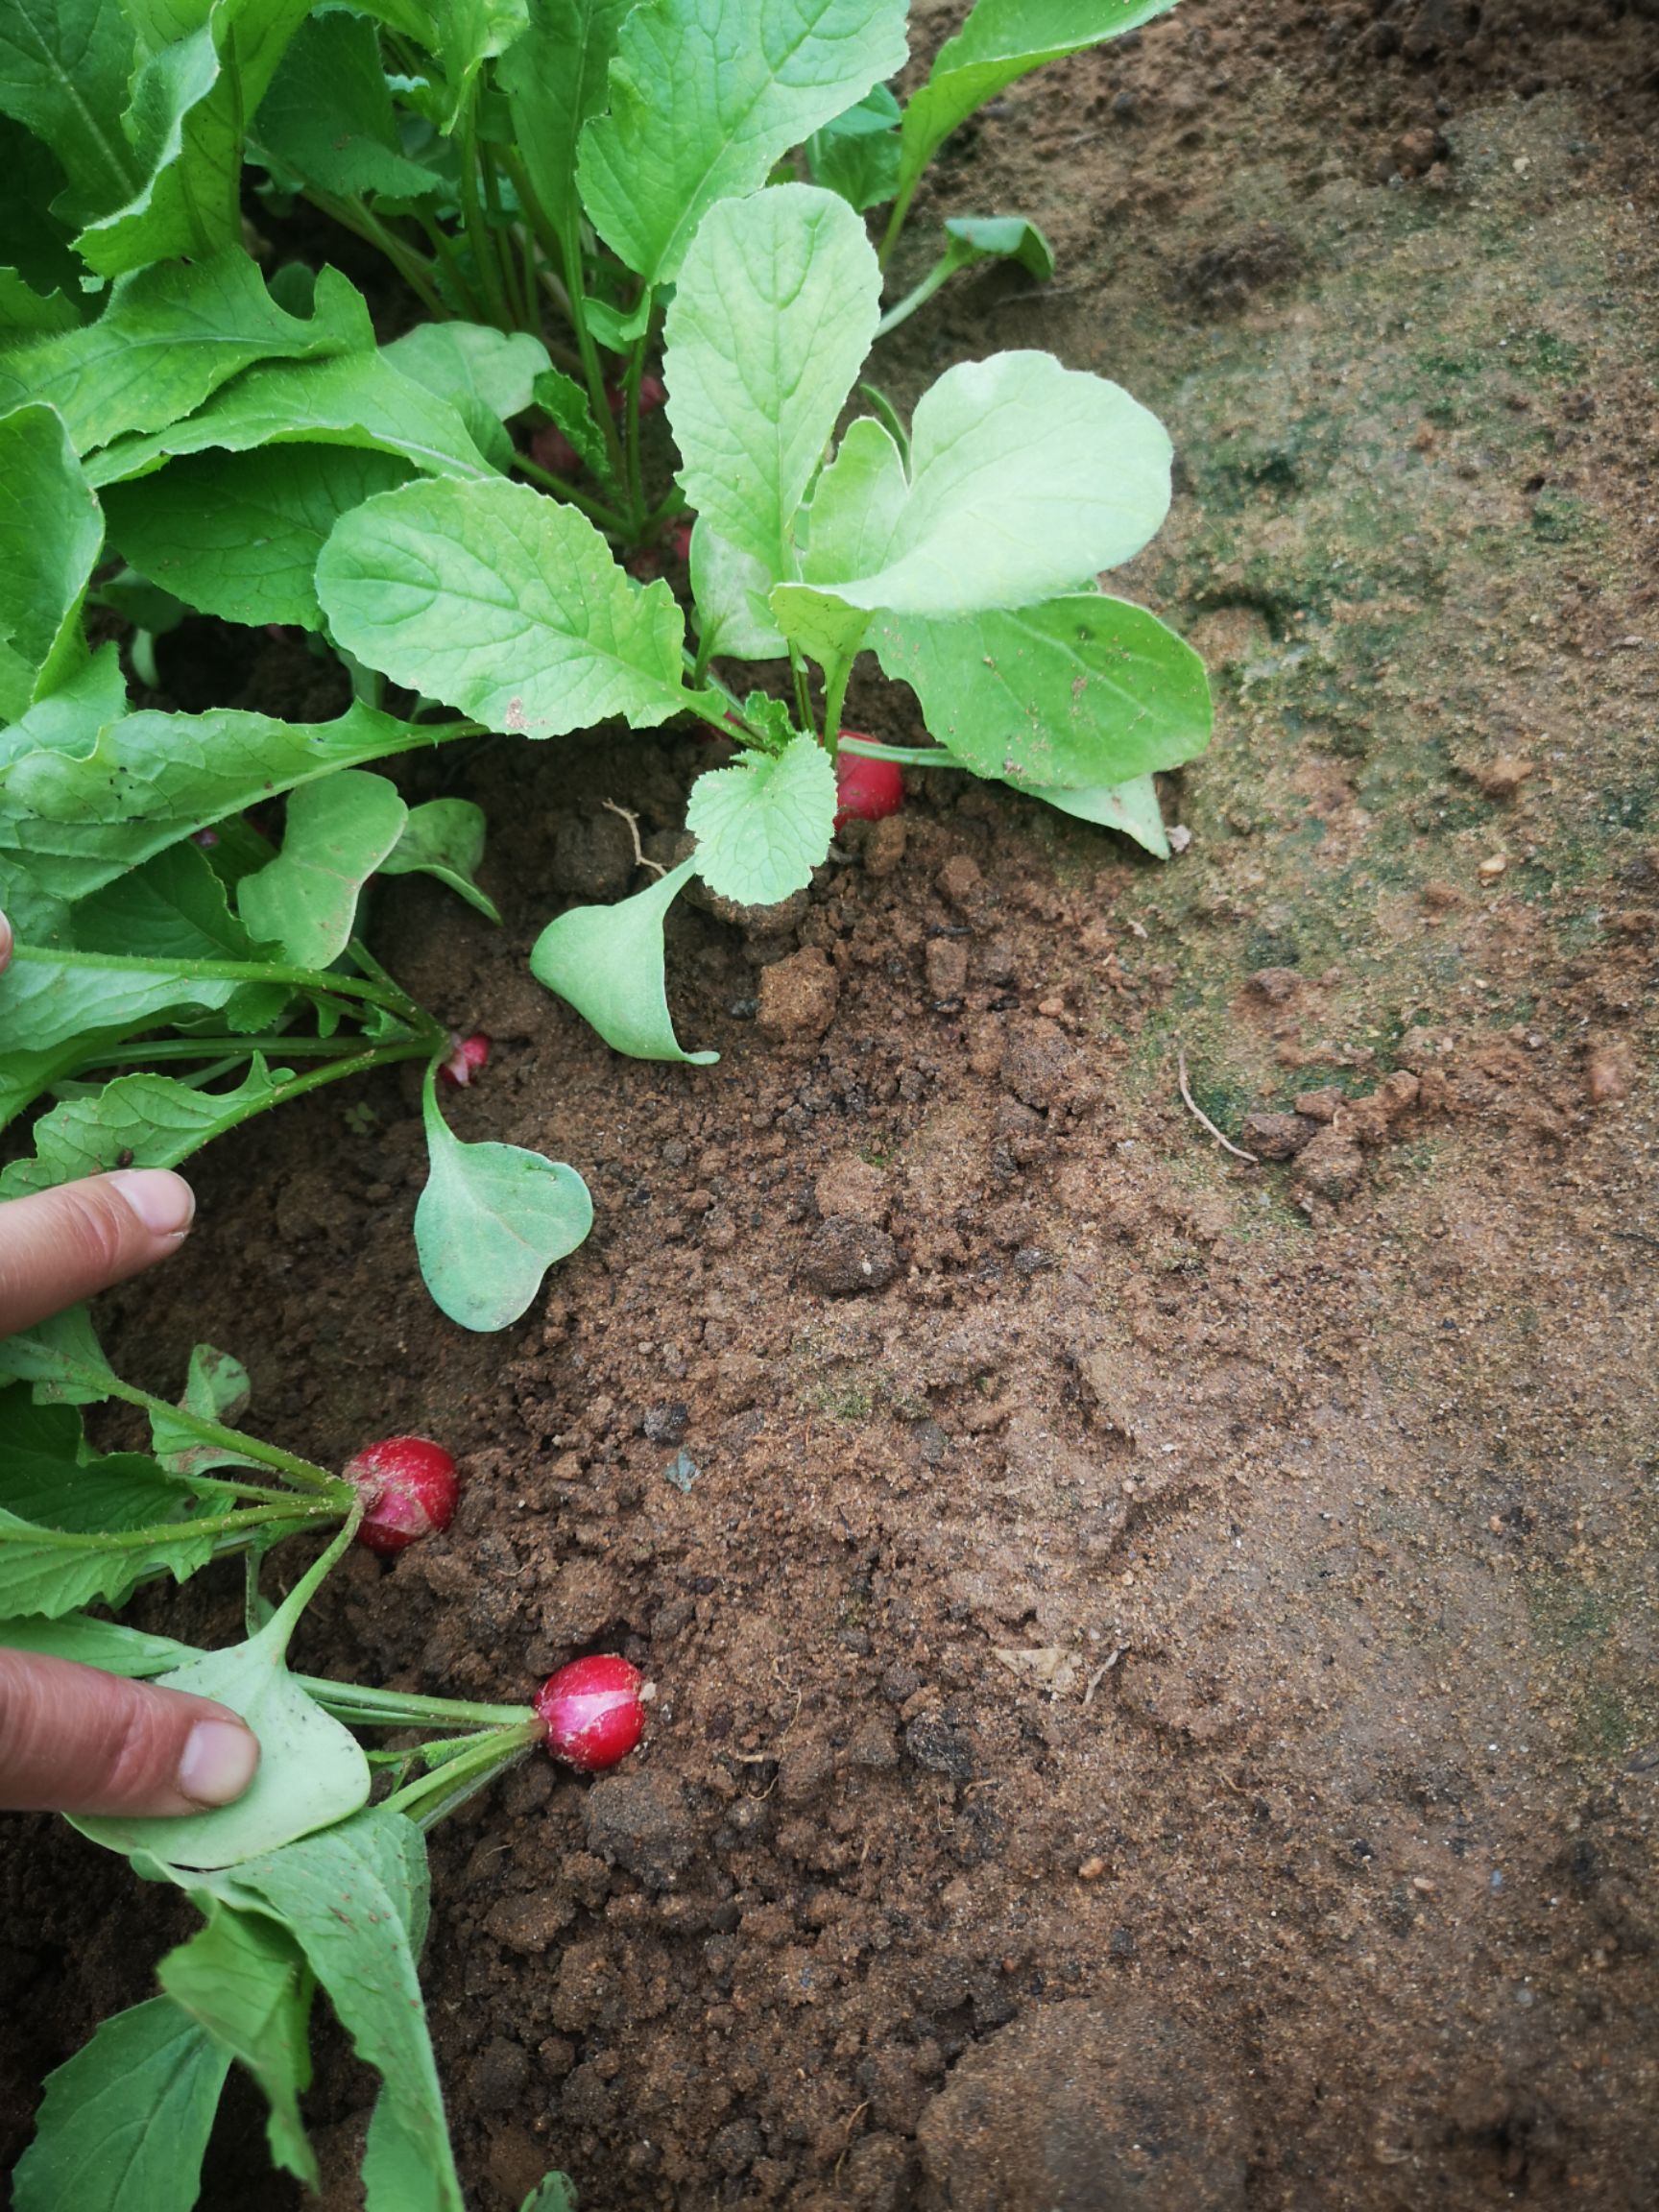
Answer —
(1157, 1679)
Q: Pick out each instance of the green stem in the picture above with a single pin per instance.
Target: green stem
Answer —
(366, 1708)
(631, 409)
(216, 971)
(596, 510)
(956, 256)
(352, 215)
(304, 1474)
(426, 1800)
(443, 249)
(478, 236)
(802, 692)
(139, 1539)
(569, 239)
(517, 299)
(901, 756)
(896, 220)
(211, 1048)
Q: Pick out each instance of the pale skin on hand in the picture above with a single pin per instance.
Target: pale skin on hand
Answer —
(72, 1737)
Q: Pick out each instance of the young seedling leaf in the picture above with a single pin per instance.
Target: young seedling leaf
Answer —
(169, 338)
(556, 2194)
(245, 1980)
(327, 119)
(706, 95)
(63, 72)
(763, 823)
(857, 152)
(312, 1771)
(1081, 690)
(778, 301)
(337, 833)
(608, 962)
(216, 1389)
(50, 535)
(858, 503)
(237, 535)
(137, 1120)
(1002, 40)
(106, 1643)
(571, 413)
(1003, 237)
(125, 2123)
(1025, 476)
(555, 77)
(730, 591)
(444, 837)
(151, 779)
(490, 1221)
(1131, 807)
(504, 604)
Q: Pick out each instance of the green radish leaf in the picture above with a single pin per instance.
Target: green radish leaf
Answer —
(473, 32)
(337, 833)
(504, 604)
(570, 411)
(615, 331)
(140, 1121)
(488, 376)
(312, 1771)
(354, 1899)
(49, 1570)
(1002, 40)
(153, 780)
(778, 299)
(125, 2123)
(444, 837)
(858, 503)
(327, 119)
(64, 67)
(48, 1478)
(857, 152)
(135, 599)
(1132, 807)
(490, 1221)
(607, 961)
(216, 1389)
(555, 78)
(68, 720)
(729, 589)
(245, 1980)
(763, 823)
(108, 1644)
(556, 2194)
(237, 535)
(51, 533)
(169, 338)
(1005, 238)
(61, 1358)
(706, 95)
(395, 2175)
(172, 907)
(26, 312)
(1082, 691)
(1023, 477)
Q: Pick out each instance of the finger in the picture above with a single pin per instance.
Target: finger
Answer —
(75, 1740)
(59, 1247)
(4, 941)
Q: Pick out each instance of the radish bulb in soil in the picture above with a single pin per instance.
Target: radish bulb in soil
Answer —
(409, 1487)
(866, 790)
(593, 1712)
(471, 1057)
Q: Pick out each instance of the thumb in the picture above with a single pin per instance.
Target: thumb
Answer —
(75, 1740)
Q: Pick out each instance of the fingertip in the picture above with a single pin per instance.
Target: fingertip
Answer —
(220, 1759)
(162, 1201)
(4, 940)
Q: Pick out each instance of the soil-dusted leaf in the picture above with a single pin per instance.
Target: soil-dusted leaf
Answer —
(47, 1571)
(61, 1358)
(777, 300)
(337, 833)
(108, 1644)
(1132, 807)
(50, 535)
(154, 779)
(492, 1219)
(1002, 40)
(857, 152)
(141, 1120)
(504, 604)
(1023, 477)
(571, 413)
(607, 961)
(125, 2123)
(312, 1771)
(354, 1898)
(763, 823)
(357, 399)
(216, 1389)
(327, 118)
(64, 67)
(190, 103)
(169, 338)
(237, 535)
(706, 94)
(245, 1980)
(487, 375)
(729, 589)
(555, 78)
(444, 837)
(1081, 690)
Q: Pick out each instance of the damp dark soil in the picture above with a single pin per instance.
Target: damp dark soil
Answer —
(1156, 1651)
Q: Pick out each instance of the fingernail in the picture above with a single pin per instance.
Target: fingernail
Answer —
(4, 940)
(164, 1202)
(219, 1760)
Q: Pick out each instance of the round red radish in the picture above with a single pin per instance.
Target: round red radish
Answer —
(866, 790)
(471, 1057)
(593, 1712)
(408, 1488)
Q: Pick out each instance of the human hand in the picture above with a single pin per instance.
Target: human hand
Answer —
(72, 1737)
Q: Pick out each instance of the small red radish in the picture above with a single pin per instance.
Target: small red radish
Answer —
(680, 539)
(653, 394)
(409, 1486)
(552, 450)
(593, 1712)
(866, 790)
(471, 1057)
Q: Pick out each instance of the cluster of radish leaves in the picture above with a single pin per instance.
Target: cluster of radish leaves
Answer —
(304, 1882)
